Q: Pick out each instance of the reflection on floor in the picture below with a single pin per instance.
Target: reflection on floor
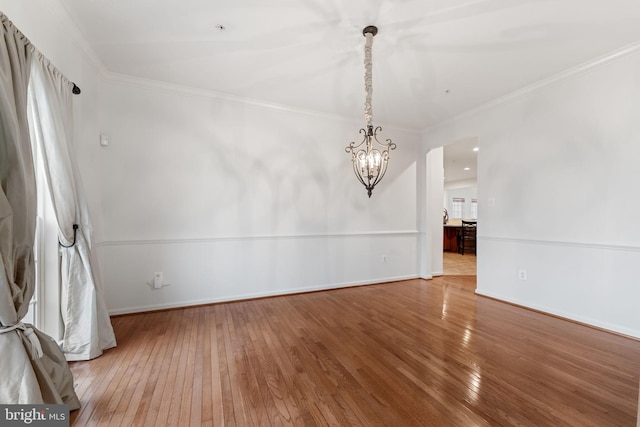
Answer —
(459, 265)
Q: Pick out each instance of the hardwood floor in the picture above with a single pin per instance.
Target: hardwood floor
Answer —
(460, 265)
(411, 353)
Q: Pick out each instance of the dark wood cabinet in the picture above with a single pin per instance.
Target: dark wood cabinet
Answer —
(450, 238)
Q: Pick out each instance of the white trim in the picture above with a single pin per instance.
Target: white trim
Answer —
(585, 320)
(606, 59)
(132, 81)
(190, 303)
(257, 237)
(590, 245)
(75, 34)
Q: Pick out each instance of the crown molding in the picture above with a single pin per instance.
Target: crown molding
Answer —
(593, 64)
(141, 82)
(70, 28)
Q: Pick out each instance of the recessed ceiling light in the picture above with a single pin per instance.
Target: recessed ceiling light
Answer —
(476, 148)
(467, 169)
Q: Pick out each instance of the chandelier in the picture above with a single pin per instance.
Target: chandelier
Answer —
(370, 156)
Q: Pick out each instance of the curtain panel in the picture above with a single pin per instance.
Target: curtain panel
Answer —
(33, 367)
(87, 327)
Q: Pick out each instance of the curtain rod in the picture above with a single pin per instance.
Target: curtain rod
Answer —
(75, 89)
(4, 19)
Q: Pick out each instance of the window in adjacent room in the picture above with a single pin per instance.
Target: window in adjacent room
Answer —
(457, 207)
(474, 209)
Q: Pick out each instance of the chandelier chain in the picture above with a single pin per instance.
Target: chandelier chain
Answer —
(368, 80)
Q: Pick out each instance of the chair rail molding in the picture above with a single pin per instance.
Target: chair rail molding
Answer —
(574, 244)
(258, 237)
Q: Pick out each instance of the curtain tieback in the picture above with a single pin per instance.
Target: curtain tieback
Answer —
(36, 348)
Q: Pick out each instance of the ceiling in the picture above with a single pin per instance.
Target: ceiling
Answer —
(433, 59)
(460, 161)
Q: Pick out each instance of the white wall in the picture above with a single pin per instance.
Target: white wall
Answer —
(228, 199)
(557, 170)
(232, 200)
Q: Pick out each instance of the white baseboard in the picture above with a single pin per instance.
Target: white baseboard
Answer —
(568, 316)
(240, 297)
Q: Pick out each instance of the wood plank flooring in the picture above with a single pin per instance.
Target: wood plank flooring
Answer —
(459, 265)
(411, 353)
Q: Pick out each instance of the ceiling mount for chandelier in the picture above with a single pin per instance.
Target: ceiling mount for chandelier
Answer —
(369, 157)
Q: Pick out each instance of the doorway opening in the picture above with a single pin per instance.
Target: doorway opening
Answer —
(460, 204)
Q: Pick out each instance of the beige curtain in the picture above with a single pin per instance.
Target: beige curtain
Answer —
(87, 327)
(32, 365)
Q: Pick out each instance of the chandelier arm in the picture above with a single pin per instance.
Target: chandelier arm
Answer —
(352, 145)
(390, 145)
(355, 170)
(383, 169)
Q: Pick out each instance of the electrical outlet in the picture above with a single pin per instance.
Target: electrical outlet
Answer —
(158, 280)
(384, 259)
(522, 274)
